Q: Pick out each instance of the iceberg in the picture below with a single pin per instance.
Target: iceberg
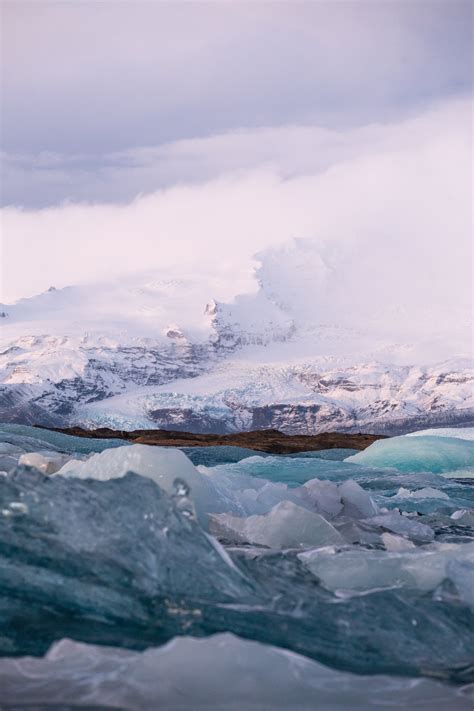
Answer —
(357, 502)
(104, 556)
(396, 544)
(418, 568)
(117, 562)
(285, 526)
(220, 672)
(460, 570)
(395, 522)
(104, 551)
(46, 462)
(418, 454)
(463, 517)
(459, 432)
(324, 496)
(164, 466)
(35, 439)
(428, 492)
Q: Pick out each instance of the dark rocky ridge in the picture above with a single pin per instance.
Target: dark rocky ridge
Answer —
(272, 441)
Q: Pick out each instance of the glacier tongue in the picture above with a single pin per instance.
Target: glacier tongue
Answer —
(156, 351)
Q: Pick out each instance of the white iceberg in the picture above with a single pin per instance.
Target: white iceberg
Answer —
(285, 526)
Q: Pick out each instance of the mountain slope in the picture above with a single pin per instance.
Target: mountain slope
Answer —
(156, 351)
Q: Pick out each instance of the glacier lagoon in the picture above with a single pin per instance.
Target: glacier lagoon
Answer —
(222, 578)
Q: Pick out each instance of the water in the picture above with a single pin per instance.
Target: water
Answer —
(295, 572)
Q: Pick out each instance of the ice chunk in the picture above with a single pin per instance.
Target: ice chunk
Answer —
(117, 552)
(355, 533)
(324, 495)
(363, 570)
(115, 562)
(427, 493)
(285, 526)
(245, 495)
(418, 454)
(464, 517)
(32, 439)
(461, 572)
(9, 449)
(357, 502)
(46, 462)
(217, 672)
(404, 526)
(162, 465)
(396, 543)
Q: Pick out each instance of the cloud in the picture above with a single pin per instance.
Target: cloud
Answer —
(385, 210)
(36, 180)
(86, 77)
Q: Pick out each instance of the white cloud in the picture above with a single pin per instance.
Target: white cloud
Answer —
(387, 208)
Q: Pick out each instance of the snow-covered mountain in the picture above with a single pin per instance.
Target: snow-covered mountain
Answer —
(156, 351)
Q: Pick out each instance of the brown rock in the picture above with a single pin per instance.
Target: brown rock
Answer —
(261, 440)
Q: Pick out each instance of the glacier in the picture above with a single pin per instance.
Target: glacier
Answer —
(167, 351)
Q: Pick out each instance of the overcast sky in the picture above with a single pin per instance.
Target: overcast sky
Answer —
(170, 123)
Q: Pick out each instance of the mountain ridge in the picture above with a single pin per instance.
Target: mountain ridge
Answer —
(157, 351)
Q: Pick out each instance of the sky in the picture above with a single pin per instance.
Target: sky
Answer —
(194, 135)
